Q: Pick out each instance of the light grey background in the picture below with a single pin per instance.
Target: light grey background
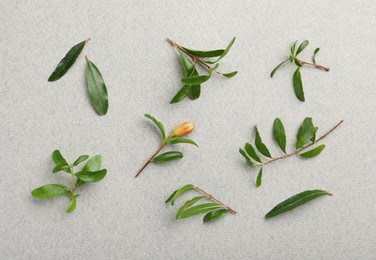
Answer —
(124, 218)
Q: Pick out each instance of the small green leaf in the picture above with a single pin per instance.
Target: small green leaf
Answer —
(205, 54)
(296, 201)
(301, 47)
(261, 147)
(314, 152)
(224, 53)
(251, 152)
(196, 80)
(182, 93)
(298, 63)
(61, 167)
(159, 125)
(247, 158)
(276, 68)
(180, 140)
(168, 156)
(94, 164)
(49, 191)
(199, 209)
(187, 204)
(230, 74)
(195, 92)
(67, 62)
(186, 63)
(298, 85)
(58, 158)
(87, 176)
(215, 215)
(72, 206)
(179, 192)
(80, 159)
(97, 88)
(279, 134)
(314, 55)
(293, 48)
(306, 132)
(259, 178)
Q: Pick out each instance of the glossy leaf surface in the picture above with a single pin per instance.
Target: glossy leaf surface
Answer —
(168, 156)
(50, 191)
(279, 134)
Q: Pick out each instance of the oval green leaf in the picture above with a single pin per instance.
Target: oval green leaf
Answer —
(58, 158)
(314, 152)
(261, 147)
(94, 164)
(186, 63)
(187, 204)
(199, 209)
(215, 215)
(259, 178)
(195, 92)
(72, 206)
(251, 152)
(307, 132)
(196, 80)
(279, 134)
(158, 124)
(97, 88)
(179, 192)
(301, 47)
(168, 156)
(230, 74)
(298, 85)
(181, 140)
(49, 191)
(87, 176)
(80, 159)
(182, 93)
(295, 201)
(224, 53)
(276, 68)
(67, 62)
(205, 54)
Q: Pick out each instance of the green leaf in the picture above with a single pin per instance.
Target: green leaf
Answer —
(72, 206)
(276, 68)
(179, 192)
(314, 152)
(247, 158)
(261, 147)
(259, 178)
(80, 159)
(301, 47)
(306, 132)
(314, 55)
(215, 215)
(296, 201)
(87, 176)
(49, 191)
(168, 156)
(67, 62)
(186, 63)
(196, 80)
(97, 88)
(187, 204)
(224, 53)
(293, 48)
(94, 164)
(279, 134)
(58, 158)
(230, 74)
(61, 167)
(195, 92)
(180, 140)
(298, 63)
(182, 93)
(159, 125)
(205, 54)
(298, 85)
(251, 152)
(199, 209)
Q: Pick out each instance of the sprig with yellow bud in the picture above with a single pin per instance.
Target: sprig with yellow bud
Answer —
(176, 137)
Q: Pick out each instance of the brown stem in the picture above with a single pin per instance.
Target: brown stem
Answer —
(193, 57)
(151, 159)
(73, 183)
(209, 196)
(314, 65)
(306, 146)
(87, 59)
(88, 39)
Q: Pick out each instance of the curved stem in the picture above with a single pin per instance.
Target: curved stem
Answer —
(314, 65)
(306, 146)
(150, 159)
(209, 196)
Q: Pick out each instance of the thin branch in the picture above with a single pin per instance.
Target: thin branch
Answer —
(151, 159)
(209, 196)
(314, 65)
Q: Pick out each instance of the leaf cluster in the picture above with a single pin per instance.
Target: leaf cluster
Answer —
(90, 172)
(192, 80)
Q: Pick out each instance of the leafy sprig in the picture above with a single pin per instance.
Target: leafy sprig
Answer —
(214, 210)
(305, 139)
(91, 172)
(174, 138)
(297, 77)
(192, 80)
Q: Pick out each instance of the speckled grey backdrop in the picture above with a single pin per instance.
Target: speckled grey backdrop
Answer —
(124, 218)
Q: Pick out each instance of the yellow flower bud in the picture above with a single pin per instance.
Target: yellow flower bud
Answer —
(183, 129)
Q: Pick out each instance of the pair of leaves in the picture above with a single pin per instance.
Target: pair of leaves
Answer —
(91, 171)
(96, 87)
(296, 201)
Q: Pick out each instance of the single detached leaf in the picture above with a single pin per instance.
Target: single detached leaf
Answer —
(180, 140)
(279, 134)
(179, 192)
(94, 164)
(91, 176)
(158, 124)
(97, 88)
(296, 201)
(182, 93)
(298, 85)
(314, 55)
(80, 159)
(276, 68)
(261, 147)
(224, 53)
(67, 62)
(259, 178)
(187, 204)
(301, 47)
(49, 191)
(306, 132)
(205, 54)
(251, 152)
(199, 209)
(72, 206)
(215, 215)
(314, 152)
(168, 156)
(230, 74)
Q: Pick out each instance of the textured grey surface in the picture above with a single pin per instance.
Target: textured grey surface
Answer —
(124, 218)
